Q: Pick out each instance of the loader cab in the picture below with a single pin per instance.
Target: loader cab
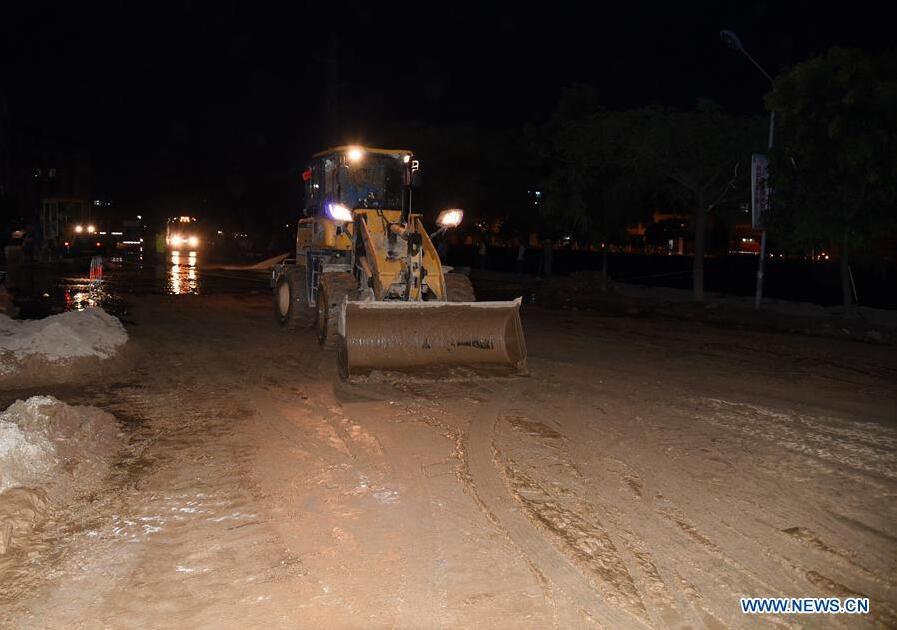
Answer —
(358, 178)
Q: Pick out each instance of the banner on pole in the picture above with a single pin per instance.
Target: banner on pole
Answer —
(759, 189)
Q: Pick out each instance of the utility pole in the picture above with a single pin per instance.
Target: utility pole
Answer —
(734, 42)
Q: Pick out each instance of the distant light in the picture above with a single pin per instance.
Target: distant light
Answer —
(354, 154)
(91, 229)
(220, 232)
(406, 158)
(104, 234)
(99, 244)
(66, 243)
(139, 216)
(115, 233)
(79, 229)
(97, 202)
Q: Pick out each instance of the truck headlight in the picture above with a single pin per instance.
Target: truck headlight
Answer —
(193, 241)
(450, 218)
(339, 212)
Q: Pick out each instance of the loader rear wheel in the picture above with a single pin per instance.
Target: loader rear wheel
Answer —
(458, 288)
(332, 291)
(291, 309)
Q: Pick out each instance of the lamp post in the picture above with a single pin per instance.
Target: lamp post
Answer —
(732, 40)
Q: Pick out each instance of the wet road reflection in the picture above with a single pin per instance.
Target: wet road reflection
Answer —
(81, 295)
(182, 273)
(42, 290)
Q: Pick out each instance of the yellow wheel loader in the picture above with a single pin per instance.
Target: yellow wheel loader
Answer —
(367, 276)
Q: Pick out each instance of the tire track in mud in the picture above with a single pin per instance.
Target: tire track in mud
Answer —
(734, 550)
(852, 464)
(500, 506)
(424, 598)
(596, 535)
(336, 435)
(478, 600)
(174, 529)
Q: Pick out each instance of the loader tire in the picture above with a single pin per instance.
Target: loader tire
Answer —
(332, 291)
(291, 309)
(458, 288)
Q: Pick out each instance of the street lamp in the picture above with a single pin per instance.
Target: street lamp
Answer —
(732, 40)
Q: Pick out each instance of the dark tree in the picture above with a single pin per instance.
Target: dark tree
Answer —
(835, 165)
(591, 189)
(705, 154)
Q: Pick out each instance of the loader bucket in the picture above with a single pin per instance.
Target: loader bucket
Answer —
(429, 338)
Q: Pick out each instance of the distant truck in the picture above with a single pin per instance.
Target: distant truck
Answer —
(130, 239)
(85, 239)
(183, 233)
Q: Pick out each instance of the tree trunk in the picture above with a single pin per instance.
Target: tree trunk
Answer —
(547, 251)
(846, 285)
(697, 276)
(604, 271)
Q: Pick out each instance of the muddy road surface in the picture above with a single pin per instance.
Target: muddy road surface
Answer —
(648, 474)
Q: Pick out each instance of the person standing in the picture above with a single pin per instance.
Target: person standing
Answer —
(521, 257)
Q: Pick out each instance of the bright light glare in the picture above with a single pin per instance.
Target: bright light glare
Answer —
(406, 158)
(91, 229)
(339, 212)
(79, 229)
(193, 241)
(354, 154)
(450, 218)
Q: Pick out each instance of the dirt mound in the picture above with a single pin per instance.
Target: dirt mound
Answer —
(49, 451)
(88, 333)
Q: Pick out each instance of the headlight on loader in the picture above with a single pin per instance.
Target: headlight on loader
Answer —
(339, 212)
(450, 218)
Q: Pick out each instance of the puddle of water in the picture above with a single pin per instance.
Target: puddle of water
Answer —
(40, 291)
(182, 275)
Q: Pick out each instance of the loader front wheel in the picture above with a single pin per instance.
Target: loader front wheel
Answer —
(458, 288)
(291, 308)
(334, 288)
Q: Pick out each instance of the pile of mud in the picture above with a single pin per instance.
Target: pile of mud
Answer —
(58, 340)
(49, 453)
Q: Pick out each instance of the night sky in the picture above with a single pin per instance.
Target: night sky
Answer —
(222, 102)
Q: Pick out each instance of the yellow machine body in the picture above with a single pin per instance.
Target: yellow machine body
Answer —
(399, 310)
